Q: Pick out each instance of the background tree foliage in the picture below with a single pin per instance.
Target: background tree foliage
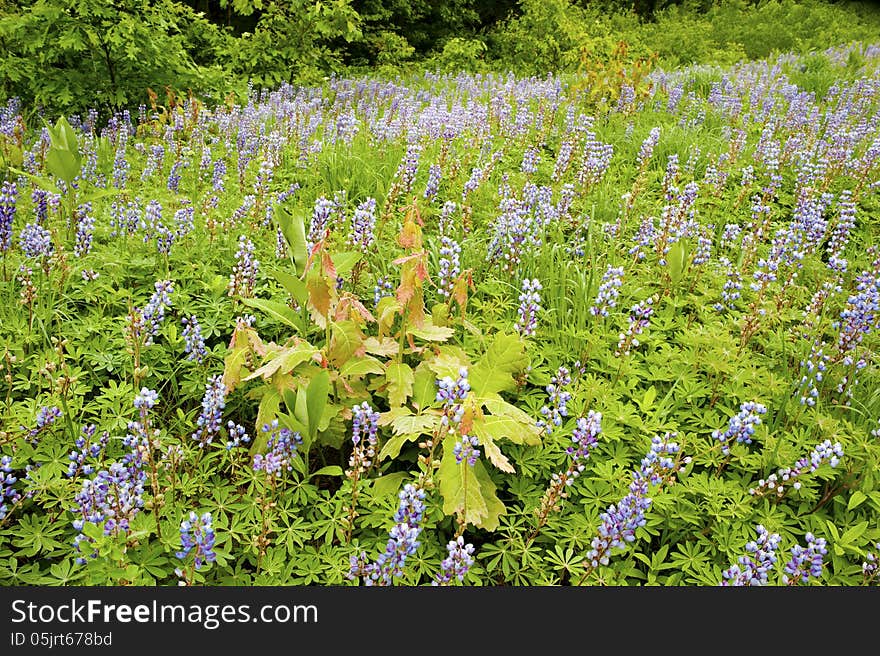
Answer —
(65, 56)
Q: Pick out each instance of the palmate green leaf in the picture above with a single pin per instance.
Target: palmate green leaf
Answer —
(494, 372)
(274, 309)
(294, 286)
(391, 448)
(507, 422)
(346, 341)
(344, 262)
(493, 453)
(447, 361)
(284, 361)
(468, 491)
(424, 387)
(387, 484)
(415, 424)
(499, 427)
(431, 333)
(360, 366)
(400, 383)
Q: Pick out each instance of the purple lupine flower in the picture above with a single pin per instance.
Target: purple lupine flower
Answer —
(626, 100)
(621, 520)
(112, 497)
(731, 291)
(151, 219)
(840, 232)
(8, 493)
(154, 161)
(237, 435)
(8, 196)
(194, 343)
(244, 274)
(154, 311)
(754, 569)
(466, 449)
(40, 199)
(563, 159)
(703, 252)
(363, 222)
(557, 408)
(409, 166)
(213, 403)
(730, 237)
(595, 161)
(859, 316)
(382, 289)
(813, 366)
(451, 393)
(583, 437)
(86, 447)
(435, 173)
(456, 564)
(478, 174)
(529, 306)
(120, 163)
(776, 483)
(174, 175)
(184, 221)
(647, 148)
(280, 449)
(320, 220)
(445, 221)
(530, 160)
(264, 178)
(46, 417)
(640, 317)
(403, 541)
(35, 241)
(365, 429)
(125, 219)
(85, 227)
(218, 175)
(870, 566)
(197, 537)
(741, 426)
(805, 562)
(608, 292)
(449, 265)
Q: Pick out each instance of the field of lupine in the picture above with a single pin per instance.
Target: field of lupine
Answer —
(449, 330)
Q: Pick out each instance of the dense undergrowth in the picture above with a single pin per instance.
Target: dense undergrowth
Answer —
(477, 329)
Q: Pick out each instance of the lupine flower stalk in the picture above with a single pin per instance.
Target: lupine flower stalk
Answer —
(244, 273)
(608, 292)
(584, 438)
(741, 426)
(210, 419)
(621, 520)
(196, 538)
(456, 565)
(640, 317)
(403, 542)
(193, 342)
(786, 477)
(557, 409)
(805, 563)
(529, 306)
(754, 568)
(365, 429)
